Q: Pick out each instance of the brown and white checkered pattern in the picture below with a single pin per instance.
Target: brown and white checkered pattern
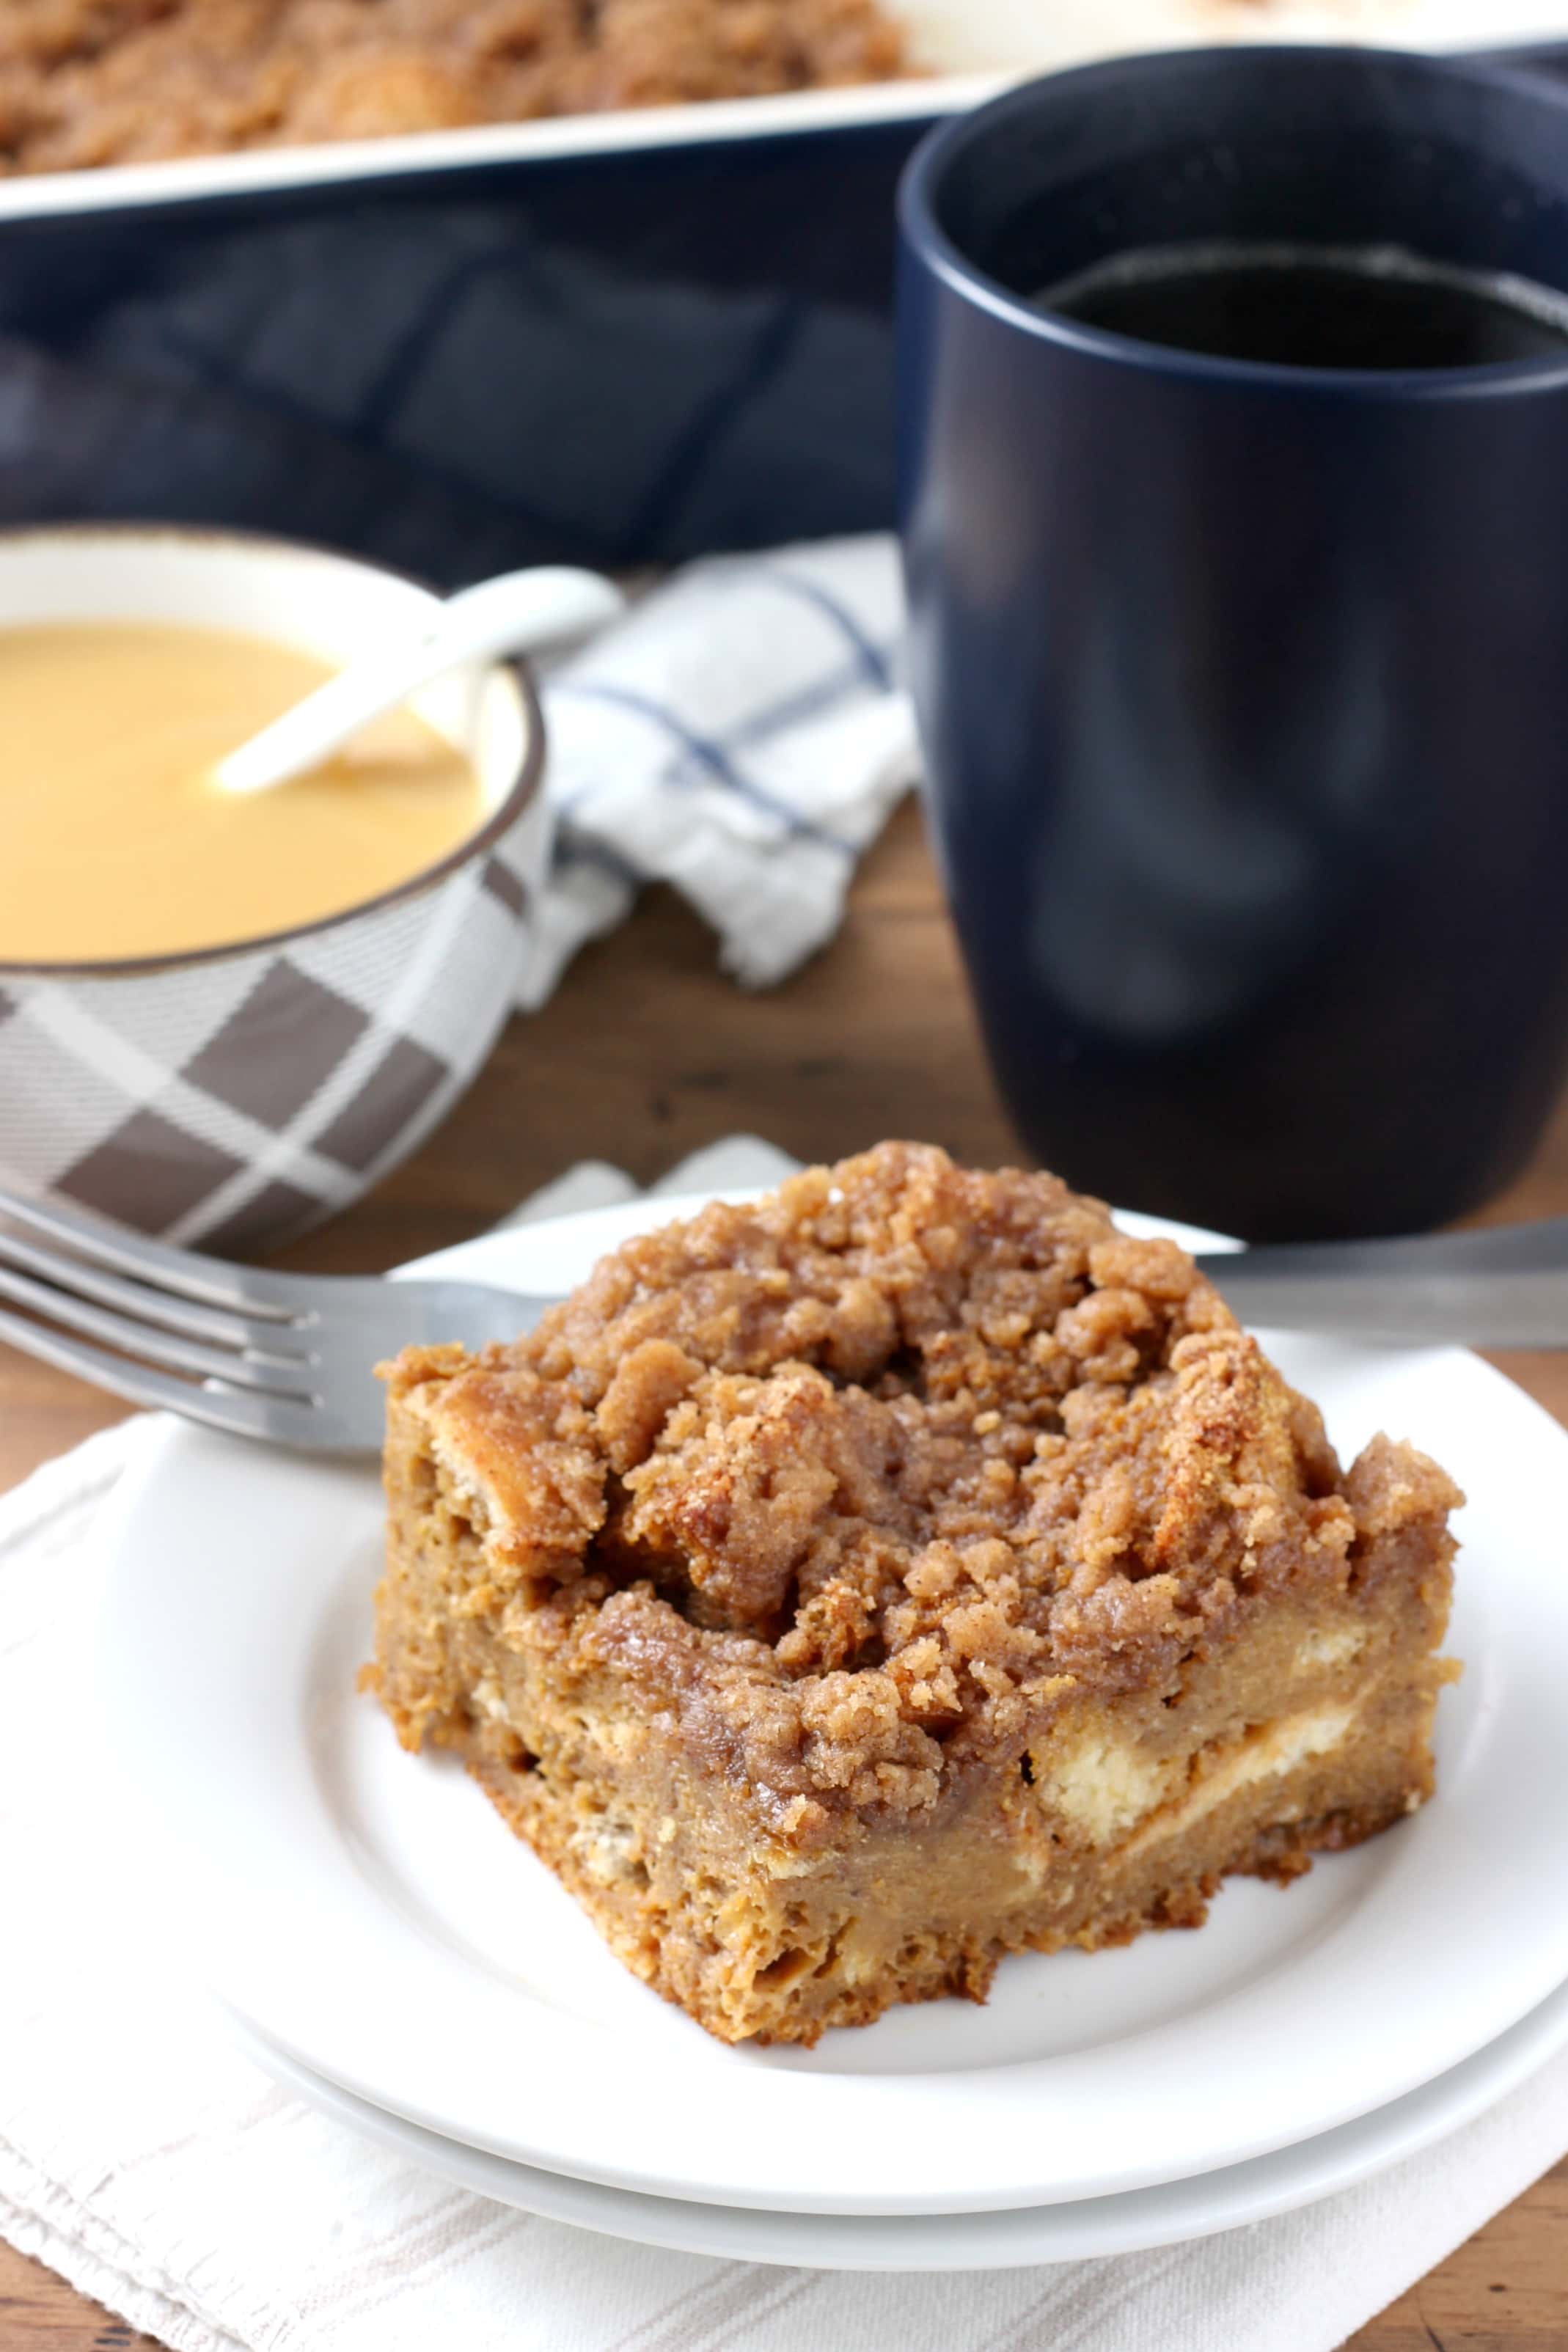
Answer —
(234, 1101)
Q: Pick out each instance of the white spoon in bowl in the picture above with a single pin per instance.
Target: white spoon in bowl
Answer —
(516, 612)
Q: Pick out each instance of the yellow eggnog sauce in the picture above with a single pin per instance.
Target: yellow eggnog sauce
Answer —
(114, 841)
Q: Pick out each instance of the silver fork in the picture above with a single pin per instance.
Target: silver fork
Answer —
(289, 1357)
(284, 1357)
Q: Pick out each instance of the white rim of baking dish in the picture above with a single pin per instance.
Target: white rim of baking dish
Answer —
(914, 98)
(125, 187)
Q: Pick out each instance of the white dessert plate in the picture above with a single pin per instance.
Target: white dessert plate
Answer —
(1129, 2224)
(368, 1913)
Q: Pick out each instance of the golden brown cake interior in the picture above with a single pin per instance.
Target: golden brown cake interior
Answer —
(843, 1591)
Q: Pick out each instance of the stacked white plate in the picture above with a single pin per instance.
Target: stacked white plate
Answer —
(381, 1942)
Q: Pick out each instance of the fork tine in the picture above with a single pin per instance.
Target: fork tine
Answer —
(241, 1414)
(169, 1312)
(207, 1280)
(281, 1377)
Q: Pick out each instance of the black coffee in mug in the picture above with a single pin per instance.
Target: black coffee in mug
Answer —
(1315, 306)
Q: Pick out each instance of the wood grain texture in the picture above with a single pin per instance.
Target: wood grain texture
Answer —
(645, 1053)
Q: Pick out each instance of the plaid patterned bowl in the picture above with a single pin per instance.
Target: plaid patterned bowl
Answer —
(236, 1095)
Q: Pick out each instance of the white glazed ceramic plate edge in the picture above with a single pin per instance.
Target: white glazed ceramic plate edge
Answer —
(333, 1873)
(1131, 2223)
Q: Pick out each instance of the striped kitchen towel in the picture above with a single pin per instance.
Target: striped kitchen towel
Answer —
(740, 735)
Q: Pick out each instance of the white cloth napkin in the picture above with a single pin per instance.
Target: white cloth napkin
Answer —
(738, 735)
(155, 2168)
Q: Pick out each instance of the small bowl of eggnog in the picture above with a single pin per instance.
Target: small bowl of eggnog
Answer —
(223, 1016)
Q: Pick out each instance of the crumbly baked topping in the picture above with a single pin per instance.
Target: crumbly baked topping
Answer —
(86, 82)
(849, 1482)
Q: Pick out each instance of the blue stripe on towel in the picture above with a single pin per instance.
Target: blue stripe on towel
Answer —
(705, 753)
(871, 660)
(808, 702)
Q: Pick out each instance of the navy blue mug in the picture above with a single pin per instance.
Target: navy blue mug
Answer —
(1243, 688)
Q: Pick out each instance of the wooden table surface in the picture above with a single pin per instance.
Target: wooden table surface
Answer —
(645, 1054)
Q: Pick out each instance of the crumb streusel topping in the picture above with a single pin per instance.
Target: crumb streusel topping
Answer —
(850, 1482)
(86, 82)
